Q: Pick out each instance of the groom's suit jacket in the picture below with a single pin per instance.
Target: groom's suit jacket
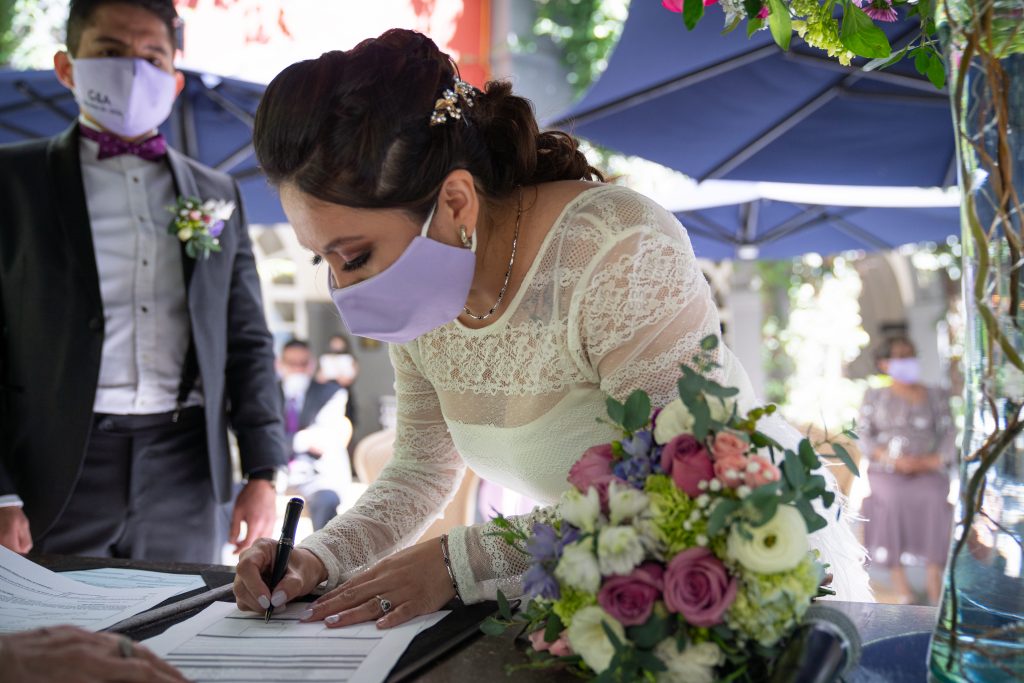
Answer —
(52, 329)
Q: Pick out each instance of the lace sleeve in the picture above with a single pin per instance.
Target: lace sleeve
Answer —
(410, 493)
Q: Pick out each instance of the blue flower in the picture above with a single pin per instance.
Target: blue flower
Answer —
(543, 545)
(639, 446)
(642, 461)
(539, 583)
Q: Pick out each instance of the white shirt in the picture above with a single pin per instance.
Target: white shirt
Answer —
(142, 283)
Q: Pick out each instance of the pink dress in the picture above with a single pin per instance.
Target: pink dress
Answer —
(907, 513)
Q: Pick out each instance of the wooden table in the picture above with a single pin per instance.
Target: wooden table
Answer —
(487, 658)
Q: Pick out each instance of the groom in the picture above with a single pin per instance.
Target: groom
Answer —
(124, 355)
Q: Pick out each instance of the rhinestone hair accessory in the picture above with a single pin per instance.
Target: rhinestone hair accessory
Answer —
(447, 106)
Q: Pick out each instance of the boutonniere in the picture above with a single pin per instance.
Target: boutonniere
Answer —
(199, 224)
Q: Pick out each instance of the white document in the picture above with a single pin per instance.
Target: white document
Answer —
(120, 577)
(222, 643)
(32, 597)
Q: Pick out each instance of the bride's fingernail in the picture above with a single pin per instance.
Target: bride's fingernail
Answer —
(333, 619)
(264, 603)
(278, 598)
(307, 614)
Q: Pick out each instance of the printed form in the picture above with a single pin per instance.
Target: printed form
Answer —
(222, 643)
(32, 596)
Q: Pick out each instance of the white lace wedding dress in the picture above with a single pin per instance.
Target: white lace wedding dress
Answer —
(613, 302)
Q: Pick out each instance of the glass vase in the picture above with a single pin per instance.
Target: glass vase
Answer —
(980, 632)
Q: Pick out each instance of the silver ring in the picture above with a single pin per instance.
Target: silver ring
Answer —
(385, 604)
(126, 647)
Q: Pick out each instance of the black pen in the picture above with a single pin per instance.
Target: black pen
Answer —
(284, 547)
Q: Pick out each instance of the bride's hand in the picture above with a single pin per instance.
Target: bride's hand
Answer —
(414, 581)
(305, 572)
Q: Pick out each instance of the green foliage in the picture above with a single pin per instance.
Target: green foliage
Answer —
(780, 23)
(860, 35)
(585, 31)
(693, 10)
(8, 40)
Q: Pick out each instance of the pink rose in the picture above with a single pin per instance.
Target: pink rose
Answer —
(766, 472)
(195, 215)
(631, 598)
(689, 464)
(698, 587)
(594, 469)
(559, 648)
(730, 461)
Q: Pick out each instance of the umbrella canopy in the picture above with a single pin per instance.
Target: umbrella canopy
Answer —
(211, 122)
(730, 219)
(714, 106)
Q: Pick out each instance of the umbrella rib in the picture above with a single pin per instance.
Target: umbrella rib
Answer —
(889, 77)
(230, 107)
(809, 216)
(666, 87)
(23, 132)
(891, 98)
(27, 90)
(858, 233)
(710, 228)
(236, 157)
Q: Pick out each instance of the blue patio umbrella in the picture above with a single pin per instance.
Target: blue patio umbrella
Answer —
(211, 122)
(714, 106)
(737, 219)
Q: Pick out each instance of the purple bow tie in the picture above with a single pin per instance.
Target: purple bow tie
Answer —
(150, 149)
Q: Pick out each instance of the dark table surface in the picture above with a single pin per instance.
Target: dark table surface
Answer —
(894, 636)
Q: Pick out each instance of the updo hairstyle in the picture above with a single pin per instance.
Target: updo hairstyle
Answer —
(353, 128)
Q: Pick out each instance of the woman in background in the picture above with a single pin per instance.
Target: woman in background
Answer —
(907, 432)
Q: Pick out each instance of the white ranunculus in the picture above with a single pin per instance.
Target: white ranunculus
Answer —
(578, 567)
(581, 510)
(721, 408)
(695, 664)
(777, 546)
(185, 234)
(619, 550)
(625, 502)
(673, 420)
(219, 209)
(589, 640)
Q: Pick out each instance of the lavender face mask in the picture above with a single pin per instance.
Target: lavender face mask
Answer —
(126, 95)
(425, 288)
(905, 370)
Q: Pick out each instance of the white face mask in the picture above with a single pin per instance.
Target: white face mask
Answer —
(126, 95)
(294, 385)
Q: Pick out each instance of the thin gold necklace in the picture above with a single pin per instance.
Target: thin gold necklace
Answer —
(508, 273)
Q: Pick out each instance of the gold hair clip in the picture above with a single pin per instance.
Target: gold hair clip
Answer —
(447, 106)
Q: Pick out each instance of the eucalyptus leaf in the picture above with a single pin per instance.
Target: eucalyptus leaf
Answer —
(709, 343)
(492, 626)
(812, 519)
(719, 516)
(553, 628)
(860, 35)
(754, 25)
(844, 456)
(637, 411)
(693, 10)
(504, 609)
(616, 410)
(650, 662)
(780, 23)
(793, 469)
(886, 62)
(807, 455)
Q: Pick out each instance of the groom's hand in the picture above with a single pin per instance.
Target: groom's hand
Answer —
(14, 530)
(257, 507)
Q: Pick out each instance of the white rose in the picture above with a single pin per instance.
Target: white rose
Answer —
(777, 546)
(625, 502)
(578, 567)
(619, 550)
(219, 209)
(695, 664)
(588, 639)
(721, 408)
(185, 234)
(581, 510)
(673, 420)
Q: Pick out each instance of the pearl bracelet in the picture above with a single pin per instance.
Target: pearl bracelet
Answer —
(448, 565)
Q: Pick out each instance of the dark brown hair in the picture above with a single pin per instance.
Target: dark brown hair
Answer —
(353, 128)
(80, 14)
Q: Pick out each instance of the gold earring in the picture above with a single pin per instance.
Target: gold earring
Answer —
(466, 242)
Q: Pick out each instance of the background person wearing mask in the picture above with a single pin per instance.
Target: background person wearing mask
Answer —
(907, 432)
(339, 365)
(123, 357)
(314, 419)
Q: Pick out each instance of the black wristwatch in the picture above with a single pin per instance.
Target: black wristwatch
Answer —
(264, 474)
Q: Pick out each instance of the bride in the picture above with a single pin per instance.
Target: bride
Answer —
(517, 291)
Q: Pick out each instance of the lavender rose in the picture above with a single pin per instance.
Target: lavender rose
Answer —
(685, 459)
(698, 587)
(631, 598)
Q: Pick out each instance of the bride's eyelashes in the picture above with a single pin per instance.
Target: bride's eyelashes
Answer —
(357, 262)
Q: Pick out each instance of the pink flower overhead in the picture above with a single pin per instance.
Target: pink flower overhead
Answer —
(677, 5)
(879, 10)
(698, 587)
(631, 598)
(686, 461)
(594, 469)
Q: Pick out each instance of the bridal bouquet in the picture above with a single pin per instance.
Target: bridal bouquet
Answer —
(680, 553)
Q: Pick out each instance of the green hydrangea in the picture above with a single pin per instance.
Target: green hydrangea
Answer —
(767, 606)
(672, 511)
(820, 29)
(571, 602)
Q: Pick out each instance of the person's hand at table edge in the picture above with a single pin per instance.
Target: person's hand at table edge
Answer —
(305, 572)
(14, 529)
(66, 653)
(256, 505)
(405, 585)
